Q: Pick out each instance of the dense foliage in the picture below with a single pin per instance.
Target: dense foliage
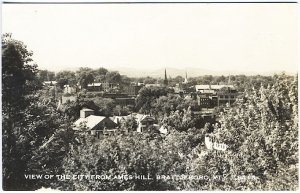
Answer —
(29, 120)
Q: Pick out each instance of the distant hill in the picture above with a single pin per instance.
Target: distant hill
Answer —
(191, 72)
(173, 72)
(160, 73)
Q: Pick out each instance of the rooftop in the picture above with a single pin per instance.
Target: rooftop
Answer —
(90, 121)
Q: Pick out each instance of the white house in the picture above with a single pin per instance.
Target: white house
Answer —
(94, 125)
(211, 143)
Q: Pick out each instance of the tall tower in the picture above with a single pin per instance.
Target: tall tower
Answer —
(185, 80)
(166, 78)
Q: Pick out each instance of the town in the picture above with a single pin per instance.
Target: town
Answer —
(208, 101)
(100, 122)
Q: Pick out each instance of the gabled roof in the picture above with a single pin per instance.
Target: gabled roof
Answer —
(142, 117)
(90, 121)
(117, 119)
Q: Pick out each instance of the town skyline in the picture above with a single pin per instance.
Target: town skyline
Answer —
(151, 37)
(173, 72)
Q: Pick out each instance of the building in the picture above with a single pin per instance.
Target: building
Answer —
(143, 121)
(118, 119)
(153, 85)
(94, 125)
(65, 99)
(94, 87)
(210, 96)
(69, 89)
(211, 89)
(106, 86)
(227, 95)
(132, 90)
(49, 83)
(211, 143)
(207, 101)
(101, 86)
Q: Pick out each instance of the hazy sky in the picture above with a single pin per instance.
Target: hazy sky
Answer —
(245, 37)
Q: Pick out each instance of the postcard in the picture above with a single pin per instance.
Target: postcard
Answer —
(155, 96)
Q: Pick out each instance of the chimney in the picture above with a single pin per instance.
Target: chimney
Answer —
(86, 112)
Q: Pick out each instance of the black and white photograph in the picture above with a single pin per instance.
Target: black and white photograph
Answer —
(149, 96)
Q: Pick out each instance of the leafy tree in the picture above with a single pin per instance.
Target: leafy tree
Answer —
(113, 77)
(129, 154)
(29, 120)
(72, 109)
(105, 105)
(181, 121)
(65, 78)
(129, 124)
(121, 111)
(45, 75)
(146, 97)
(18, 81)
(85, 76)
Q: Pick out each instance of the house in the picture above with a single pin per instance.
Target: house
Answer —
(143, 121)
(69, 89)
(49, 83)
(211, 143)
(132, 90)
(94, 125)
(207, 101)
(118, 119)
(94, 87)
(106, 86)
(153, 85)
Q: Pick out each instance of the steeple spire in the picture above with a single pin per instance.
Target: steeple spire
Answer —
(185, 80)
(166, 78)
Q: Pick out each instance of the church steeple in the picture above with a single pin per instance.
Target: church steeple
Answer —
(166, 78)
(185, 80)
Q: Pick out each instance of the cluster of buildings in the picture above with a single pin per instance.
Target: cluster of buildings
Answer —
(99, 125)
(210, 96)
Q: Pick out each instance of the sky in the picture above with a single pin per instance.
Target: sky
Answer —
(248, 37)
